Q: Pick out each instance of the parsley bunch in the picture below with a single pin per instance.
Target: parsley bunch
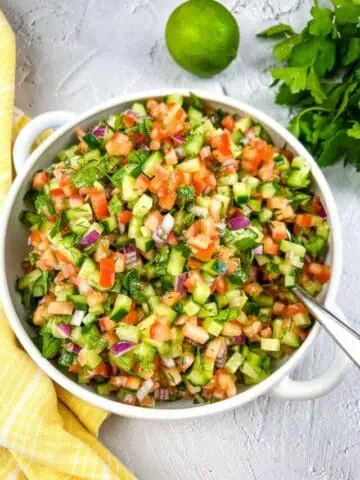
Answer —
(321, 77)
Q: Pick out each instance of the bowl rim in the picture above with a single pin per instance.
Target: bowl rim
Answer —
(243, 397)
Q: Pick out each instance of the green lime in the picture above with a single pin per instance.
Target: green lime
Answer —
(202, 36)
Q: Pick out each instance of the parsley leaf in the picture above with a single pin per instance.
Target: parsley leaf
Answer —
(86, 176)
(354, 131)
(131, 283)
(195, 101)
(322, 22)
(294, 77)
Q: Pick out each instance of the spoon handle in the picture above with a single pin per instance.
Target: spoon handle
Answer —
(347, 338)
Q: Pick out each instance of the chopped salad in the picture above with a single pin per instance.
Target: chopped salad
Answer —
(164, 246)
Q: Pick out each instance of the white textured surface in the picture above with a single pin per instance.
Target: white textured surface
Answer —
(73, 54)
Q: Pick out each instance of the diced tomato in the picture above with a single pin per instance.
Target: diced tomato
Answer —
(293, 309)
(193, 263)
(304, 220)
(76, 200)
(200, 187)
(103, 370)
(277, 202)
(252, 288)
(137, 137)
(206, 254)
(153, 221)
(106, 324)
(278, 309)
(40, 179)
(266, 152)
(250, 159)
(161, 173)
(171, 239)
(99, 203)
(182, 178)
(35, 237)
(171, 298)
(74, 368)
(224, 146)
(266, 172)
(232, 265)
(270, 247)
(128, 121)
(160, 332)
(320, 272)
(120, 144)
(131, 318)
(111, 338)
(220, 285)
(60, 308)
(317, 206)
(124, 217)
(142, 182)
(168, 201)
(192, 280)
(107, 272)
(200, 241)
(228, 122)
(278, 230)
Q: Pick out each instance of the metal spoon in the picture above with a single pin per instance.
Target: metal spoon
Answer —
(347, 338)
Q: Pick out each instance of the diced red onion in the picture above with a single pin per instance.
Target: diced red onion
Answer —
(179, 282)
(144, 390)
(238, 222)
(178, 138)
(168, 362)
(135, 115)
(258, 250)
(122, 347)
(240, 340)
(77, 318)
(201, 212)
(99, 131)
(168, 223)
(162, 394)
(220, 228)
(130, 253)
(205, 152)
(144, 147)
(180, 153)
(321, 259)
(229, 162)
(322, 212)
(71, 347)
(63, 330)
(108, 191)
(220, 359)
(90, 238)
(164, 229)
(114, 369)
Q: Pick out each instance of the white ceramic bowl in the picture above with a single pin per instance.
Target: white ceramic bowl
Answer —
(13, 247)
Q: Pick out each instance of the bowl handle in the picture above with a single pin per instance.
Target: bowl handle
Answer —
(28, 135)
(289, 389)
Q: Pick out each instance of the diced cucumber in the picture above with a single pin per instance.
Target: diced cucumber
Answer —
(84, 211)
(236, 136)
(151, 163)
(142, 206)
(121, 308)
(175, 98)
(265, 215)
(234, 362)
(128, 333)
(249, 370)
(145, 244)
(191, 166)
(302, 320)
(79, 226)
(129, 191)
(134, 227)
(201, 371)
(230, 179)
(27, 280)
(243, 124)
(162, 310)
(195, 116)
(176, 262)
(125, 362)
(270, 344)
(110, 224)
(73, 254)
(295, 248)
(103, 389)
(268, 190)
(79, 302)
(254, 204)
(194, 144)
(291, 339)
(214, 267)
(241, 193)
(212, 326)
(90, 358)
(201, 293)
(87, 268)
(191, 308)
(277, 328)
(139, 108)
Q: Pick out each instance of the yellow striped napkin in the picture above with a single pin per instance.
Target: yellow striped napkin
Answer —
(45, 432)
